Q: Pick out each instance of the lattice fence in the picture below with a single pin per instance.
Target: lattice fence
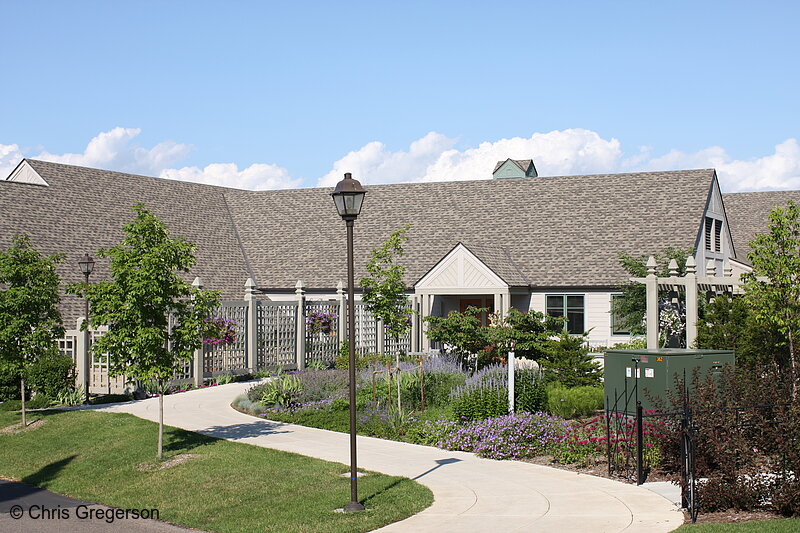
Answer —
(322, 346)
(230, 356)
(277, 334)
(392, 346)
(366, 330)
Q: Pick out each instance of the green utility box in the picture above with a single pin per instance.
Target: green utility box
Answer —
(654, 371)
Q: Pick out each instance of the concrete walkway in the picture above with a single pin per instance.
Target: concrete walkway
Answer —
(471, 494)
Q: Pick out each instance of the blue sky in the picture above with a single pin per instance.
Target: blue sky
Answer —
(277, 94)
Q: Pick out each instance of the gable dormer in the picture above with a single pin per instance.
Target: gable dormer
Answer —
(24, 173)
(515, 168)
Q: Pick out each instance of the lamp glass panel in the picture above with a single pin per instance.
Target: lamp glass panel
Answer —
(338, 199)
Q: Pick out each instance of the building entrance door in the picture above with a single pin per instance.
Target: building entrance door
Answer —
(478, 302)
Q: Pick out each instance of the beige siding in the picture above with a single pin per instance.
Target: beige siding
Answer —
(597, 314)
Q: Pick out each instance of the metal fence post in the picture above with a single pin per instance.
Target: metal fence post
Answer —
(639, 445)
(300, 293)
(251, 346)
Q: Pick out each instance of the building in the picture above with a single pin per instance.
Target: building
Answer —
(529, 242)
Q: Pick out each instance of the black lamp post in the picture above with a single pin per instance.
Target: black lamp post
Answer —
(348, 197)
(87, 265)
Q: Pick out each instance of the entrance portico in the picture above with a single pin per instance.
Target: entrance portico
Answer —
(462, 278)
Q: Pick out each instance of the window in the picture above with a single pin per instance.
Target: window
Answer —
(569, 306)
(617, 323)
(709, 230)
(713, 233)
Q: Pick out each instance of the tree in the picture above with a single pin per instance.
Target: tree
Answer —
(30, 321)
(531, 333)
(731, 324)
(773, 287)
(136, 304)
(384, 288)
(631, 306)
(568, 362)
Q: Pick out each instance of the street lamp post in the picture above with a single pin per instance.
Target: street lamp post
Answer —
(348, 197)
(87, 265)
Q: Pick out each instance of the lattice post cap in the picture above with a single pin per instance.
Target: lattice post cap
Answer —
(691, 265)
(651, 266)
(673, 267)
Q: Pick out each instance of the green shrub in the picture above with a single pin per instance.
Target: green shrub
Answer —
(9, 383)
(530, 392)
(40, 401)
(73, 396)
(362, 361)
(281, 391)
(111, 398)
(574, 402)
(224, 378)
(51, 375)
(569, 362)
(11, 405)
(483, 395)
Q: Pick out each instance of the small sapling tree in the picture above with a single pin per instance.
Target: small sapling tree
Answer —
(773, 287)
(30, 321)
(384, 288)
(136, 305)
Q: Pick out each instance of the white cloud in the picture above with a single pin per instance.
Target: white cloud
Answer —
(433, 158)
(780, 170)
(256, 177)
(10, 156)
(115, 150)
(558, 153)
(373, 163)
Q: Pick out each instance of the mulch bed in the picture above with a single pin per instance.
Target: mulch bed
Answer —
(18, 428)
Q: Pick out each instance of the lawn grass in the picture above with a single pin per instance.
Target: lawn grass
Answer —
(789, 525)
(228, 487)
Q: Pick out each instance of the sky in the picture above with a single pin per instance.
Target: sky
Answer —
(266, 95)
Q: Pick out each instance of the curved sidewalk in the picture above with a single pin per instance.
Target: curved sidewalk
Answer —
(471, 494)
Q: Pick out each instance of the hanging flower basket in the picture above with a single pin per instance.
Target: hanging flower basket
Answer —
(219, 331)
(321, 322)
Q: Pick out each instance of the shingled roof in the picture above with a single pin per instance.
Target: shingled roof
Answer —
(84, 209)
(747, 214)
(545, 232)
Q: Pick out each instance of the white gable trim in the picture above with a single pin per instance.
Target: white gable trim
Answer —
(460, 272)
(24, 173)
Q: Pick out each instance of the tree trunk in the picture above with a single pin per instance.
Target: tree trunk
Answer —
(160, 419)
(793, 366)
(22, 390)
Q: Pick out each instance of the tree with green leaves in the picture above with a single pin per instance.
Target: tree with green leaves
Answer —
(631, 306)
(773, 287)
(155, 318)
(731, 324)
(530, 332)
(384, 288)
(569, 362)
(30, 322)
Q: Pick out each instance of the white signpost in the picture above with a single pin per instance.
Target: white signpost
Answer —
(511, 366)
